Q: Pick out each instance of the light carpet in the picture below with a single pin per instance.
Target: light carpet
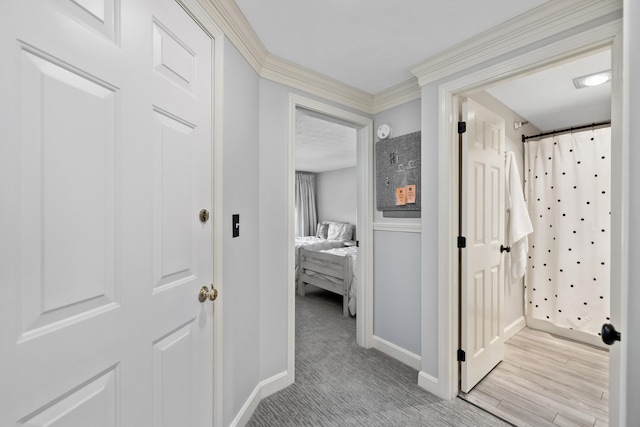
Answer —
(339, 383)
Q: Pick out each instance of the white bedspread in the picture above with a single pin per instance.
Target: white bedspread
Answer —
(313, 243)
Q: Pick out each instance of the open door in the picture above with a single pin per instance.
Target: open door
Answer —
(483, 213)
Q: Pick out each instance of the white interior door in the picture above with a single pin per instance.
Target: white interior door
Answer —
(105, 163)
(483, 214)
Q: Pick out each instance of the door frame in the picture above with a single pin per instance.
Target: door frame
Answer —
(609, 34)
(205, 21)
(364, 301)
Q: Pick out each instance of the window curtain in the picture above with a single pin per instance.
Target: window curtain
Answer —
(306, 217)
(568, 183)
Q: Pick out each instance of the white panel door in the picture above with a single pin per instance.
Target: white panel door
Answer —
(105, 163)
(483, 225)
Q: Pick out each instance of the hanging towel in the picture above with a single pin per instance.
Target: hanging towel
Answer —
(519, 220)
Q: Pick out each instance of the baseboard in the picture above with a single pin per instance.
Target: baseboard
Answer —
(428, 383)
(514, 328)
(263, 389)
(274, 384)
(397, 352)
(570, 334)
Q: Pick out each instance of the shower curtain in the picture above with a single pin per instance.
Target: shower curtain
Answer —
(568, 178)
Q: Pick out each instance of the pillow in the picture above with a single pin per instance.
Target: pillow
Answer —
(321, 232)
(339, 231)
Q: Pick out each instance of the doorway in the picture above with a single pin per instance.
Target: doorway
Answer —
(448, 294)
(364, 217)
(576, 365)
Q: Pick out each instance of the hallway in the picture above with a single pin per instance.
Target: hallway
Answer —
(341, 384)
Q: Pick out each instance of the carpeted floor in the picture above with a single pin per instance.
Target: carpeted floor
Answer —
(341, 384)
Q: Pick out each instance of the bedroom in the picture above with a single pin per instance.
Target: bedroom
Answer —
(325, 205)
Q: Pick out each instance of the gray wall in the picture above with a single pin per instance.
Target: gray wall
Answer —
(396, 269)
(396, 260)
(273, 241)
(273, 208)
(513, 292)
(403, 119)
(255, 303)
(240, 291)
(336, 192)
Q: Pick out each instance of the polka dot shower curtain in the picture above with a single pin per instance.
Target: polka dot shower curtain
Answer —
(567, 188)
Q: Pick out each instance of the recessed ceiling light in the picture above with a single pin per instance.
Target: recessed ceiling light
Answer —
(590, 80)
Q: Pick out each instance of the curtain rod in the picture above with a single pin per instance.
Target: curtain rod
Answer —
(566, 130)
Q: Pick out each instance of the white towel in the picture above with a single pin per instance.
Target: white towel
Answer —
(519, 220)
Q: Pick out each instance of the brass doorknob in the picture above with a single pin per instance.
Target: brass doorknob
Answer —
(206, 293)
(204, 216)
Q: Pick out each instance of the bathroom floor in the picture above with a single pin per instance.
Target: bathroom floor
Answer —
(545, 380)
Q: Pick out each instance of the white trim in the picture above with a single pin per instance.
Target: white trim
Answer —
(203, 18)
(364, 320)
(397, 352)
(235, 26)
(545, 21)
(273, 385)
(428, 383)
(397, 227)
(397, 95)
(271, 67)
(282, 71)
(264, 389)
(515, 327)
(550, 19)
(447, 268)
(620, 199)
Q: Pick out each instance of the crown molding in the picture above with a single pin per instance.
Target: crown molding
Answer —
(545, 21)
(282, 71)
(397, 95)
(236, 28)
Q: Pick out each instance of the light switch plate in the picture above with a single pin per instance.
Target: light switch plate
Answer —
(236, 225)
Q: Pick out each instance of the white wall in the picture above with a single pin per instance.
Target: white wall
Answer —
(513, 292)
(396, 270)
(240, 258)
(336, 192)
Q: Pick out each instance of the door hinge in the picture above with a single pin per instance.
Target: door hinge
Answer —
(461, 355)
(462, 242)
(462, 127)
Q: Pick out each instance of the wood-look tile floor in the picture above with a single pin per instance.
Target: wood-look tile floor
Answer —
(545, 380)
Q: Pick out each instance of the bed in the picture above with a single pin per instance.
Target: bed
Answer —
(332, 270)
(330, 234)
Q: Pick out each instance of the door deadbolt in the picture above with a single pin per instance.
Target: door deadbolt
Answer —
(205, 294)
(204, 215)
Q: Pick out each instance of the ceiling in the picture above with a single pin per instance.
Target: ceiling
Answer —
(549, 100)
(372, 44)
(323, 145)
